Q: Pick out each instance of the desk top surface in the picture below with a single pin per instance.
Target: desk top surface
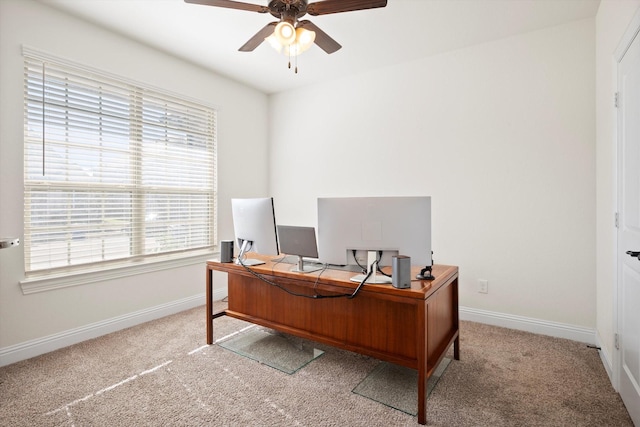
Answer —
(420, 289)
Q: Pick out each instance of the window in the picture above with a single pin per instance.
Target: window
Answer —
(113, 171)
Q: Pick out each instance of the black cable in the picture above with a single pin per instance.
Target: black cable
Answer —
(362, 269)
(277, 262)
(244, 254)
(378, 265)
(355, 292)
(362, 283)
(264, 279)
(314, 296)
(383, 273)
(324, 268)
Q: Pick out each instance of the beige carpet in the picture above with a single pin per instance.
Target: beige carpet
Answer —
(397, 386)
(162, 373)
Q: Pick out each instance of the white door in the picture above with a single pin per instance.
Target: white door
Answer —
(629, 228)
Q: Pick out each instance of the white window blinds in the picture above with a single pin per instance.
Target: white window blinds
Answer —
(113, 170)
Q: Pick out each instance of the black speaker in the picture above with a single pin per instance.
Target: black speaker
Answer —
(401, 272)
(226, 251)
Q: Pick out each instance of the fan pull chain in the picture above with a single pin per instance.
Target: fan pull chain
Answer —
(295, 59)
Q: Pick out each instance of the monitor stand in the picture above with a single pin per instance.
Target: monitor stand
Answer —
(301, 268)
(375, 279)
(247, 262)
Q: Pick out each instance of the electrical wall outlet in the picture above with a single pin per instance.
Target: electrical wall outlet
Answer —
(483, 286)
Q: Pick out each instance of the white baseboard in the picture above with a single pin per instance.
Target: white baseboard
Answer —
(607, 362)
(36, 347)
(528, 324)
(44, 345)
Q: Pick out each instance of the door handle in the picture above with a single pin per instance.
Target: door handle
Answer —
(634, 254)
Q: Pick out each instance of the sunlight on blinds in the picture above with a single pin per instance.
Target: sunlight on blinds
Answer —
(128, 171)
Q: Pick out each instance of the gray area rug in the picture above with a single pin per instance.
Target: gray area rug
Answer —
(163, 374)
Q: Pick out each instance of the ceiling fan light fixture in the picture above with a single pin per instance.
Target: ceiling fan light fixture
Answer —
(285, 33)
(289, 13)
(274, 43)
(304, 40)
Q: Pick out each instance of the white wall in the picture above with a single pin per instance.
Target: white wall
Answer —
(501, 135)
(611, 22)
(26, 320)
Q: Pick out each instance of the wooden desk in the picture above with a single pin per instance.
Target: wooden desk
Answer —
(410, 327)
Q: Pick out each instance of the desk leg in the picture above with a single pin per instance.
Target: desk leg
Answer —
(422, 363)
(456, 320)
(422, 399)
(209, 298)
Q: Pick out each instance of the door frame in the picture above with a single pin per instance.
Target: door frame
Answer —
(632, 31)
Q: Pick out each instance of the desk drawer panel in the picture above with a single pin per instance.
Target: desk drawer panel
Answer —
(363, 322)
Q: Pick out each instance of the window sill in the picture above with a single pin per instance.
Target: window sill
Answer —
(32, 285)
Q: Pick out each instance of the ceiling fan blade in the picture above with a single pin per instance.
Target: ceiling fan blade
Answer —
(334, 6)
(230, 4)
(323, 40)
(258, 38)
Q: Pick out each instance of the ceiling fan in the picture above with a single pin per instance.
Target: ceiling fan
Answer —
(289, 32)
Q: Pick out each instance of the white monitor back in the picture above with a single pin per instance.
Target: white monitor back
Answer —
(254, 220)
(395, 225)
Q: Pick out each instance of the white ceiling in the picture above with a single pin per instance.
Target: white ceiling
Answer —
(403, 31)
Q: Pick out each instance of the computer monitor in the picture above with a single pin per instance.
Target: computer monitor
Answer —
(299, 241)
(353, 229)
(254, 224)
